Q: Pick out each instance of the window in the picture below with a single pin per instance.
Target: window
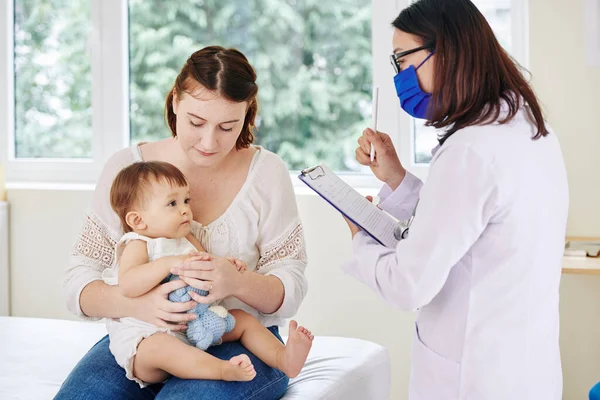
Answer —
(505, 18)
(63, 98)
(52, 77)
(85, 78)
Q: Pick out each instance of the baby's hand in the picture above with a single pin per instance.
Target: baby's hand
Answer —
(198, 256)
(192, 256)
(239, 264)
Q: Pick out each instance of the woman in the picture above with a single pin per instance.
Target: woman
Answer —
(210, 112)
(482, 261)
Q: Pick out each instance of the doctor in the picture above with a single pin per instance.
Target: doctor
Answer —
(482, 261)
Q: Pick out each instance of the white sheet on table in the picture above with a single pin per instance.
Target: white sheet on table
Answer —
(36, 355)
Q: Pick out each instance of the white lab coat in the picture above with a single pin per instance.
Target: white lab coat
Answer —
(482, 264)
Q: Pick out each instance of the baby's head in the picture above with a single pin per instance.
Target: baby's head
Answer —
(152, 199)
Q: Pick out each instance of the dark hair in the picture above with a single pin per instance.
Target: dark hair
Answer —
(226, 71)
(472, 73)
(128, 187)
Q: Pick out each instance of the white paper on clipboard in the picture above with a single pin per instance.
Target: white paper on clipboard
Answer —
(372, 220)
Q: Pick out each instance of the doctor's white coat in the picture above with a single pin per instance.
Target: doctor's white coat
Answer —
(482, 264)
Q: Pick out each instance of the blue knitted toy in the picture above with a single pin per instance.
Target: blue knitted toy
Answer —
(212, 322)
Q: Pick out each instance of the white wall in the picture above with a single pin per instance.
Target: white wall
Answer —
(44, 224)
(570, 92)
(43, 227)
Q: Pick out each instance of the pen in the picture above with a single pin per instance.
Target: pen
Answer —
(374, 122)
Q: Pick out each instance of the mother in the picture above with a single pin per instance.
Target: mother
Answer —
(243, 205)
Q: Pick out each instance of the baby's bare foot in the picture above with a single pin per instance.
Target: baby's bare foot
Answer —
(239, 368)
(292, 358)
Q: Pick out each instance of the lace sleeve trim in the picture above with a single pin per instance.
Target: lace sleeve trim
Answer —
(95, 244)
(290, 246)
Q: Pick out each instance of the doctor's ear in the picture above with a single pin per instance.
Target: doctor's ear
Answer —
(134, 221)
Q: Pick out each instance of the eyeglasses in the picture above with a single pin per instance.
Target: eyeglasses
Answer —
(395, 57)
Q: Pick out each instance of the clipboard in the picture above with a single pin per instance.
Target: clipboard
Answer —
(361, 212)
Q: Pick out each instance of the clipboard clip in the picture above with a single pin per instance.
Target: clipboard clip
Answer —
(314, 172)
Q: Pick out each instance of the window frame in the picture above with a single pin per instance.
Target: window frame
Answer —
(110, 112)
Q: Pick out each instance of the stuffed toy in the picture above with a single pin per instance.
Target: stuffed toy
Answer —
(213, 320)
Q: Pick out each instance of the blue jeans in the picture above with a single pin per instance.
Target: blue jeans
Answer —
(98, 376)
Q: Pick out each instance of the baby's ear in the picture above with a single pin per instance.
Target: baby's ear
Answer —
(135, 221)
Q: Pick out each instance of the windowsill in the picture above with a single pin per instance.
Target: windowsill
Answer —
(364, 184)
(89, 187)
(57, 186)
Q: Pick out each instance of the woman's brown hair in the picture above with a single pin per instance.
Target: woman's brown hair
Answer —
(127, 190)
(226, 71)
(473, 74)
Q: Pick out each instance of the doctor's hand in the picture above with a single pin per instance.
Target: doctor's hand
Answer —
(353, 228)
(387, 166)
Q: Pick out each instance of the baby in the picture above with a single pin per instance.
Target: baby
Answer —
(152, 201)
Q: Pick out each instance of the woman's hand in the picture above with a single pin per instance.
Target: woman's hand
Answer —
(155, 308)
(218, 276)
(387, 166)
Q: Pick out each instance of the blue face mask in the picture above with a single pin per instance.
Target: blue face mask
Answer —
(413, 100)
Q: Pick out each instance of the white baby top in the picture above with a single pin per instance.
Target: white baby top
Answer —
(157, 248)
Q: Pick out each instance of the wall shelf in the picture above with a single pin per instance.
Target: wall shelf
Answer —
(581, 265)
